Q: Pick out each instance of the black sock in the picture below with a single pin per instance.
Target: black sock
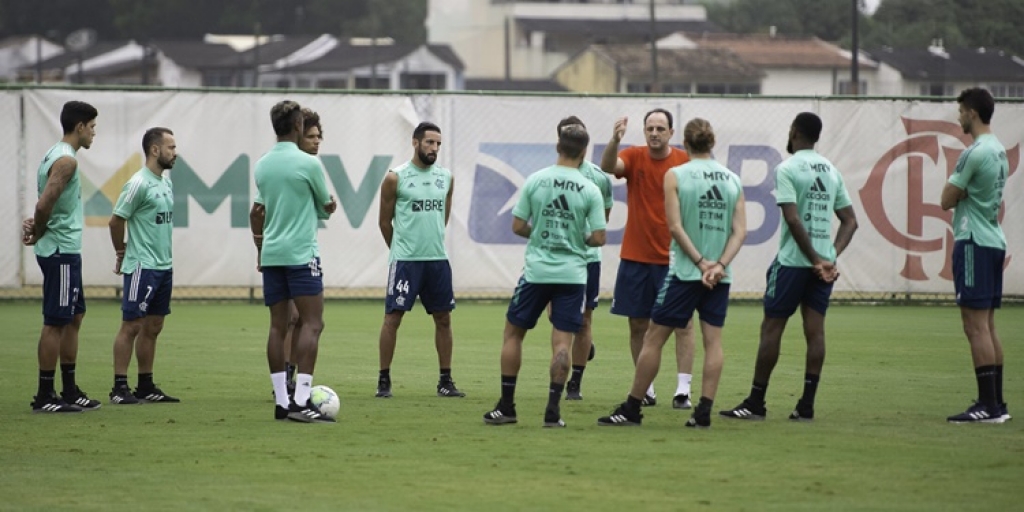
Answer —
(120, 380)
(810, 388)
(577, 375)
(46, 382)
(508, 389)
(633, 404)
(555, 394)
(385, 374)
(986, 376)
(446, 375)
(146, 381)
(705, 403)
(757, 392)
(999, 384)
(67, 378)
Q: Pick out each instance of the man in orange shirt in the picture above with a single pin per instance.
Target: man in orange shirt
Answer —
(644, 254)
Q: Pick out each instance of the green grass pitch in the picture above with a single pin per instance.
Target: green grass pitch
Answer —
(879, 442)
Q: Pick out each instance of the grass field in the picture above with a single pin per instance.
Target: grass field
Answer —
(879, 441)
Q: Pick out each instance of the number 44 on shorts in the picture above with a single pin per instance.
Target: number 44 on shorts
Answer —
(402, 286)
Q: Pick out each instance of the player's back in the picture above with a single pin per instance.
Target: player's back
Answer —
(810, 181)
(283, 185)
(64, 227)
(708, 192)
(564, 206)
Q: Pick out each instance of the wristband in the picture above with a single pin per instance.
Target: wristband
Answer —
(698, 261)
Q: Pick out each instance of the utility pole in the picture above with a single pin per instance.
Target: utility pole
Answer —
(655, 87)
(854, 61)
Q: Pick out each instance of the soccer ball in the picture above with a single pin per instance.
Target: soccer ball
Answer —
(325, 399)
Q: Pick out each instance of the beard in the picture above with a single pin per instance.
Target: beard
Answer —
(166, 164)
(427, 158)
(789, 147)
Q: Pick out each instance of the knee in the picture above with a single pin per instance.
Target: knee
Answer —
(394, 320)
(443, 320)
(154, 325)
(316, 326)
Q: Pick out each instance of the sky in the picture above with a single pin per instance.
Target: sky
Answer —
(871, 5)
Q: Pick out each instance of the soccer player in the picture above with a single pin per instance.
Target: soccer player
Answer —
(808, 188)
(707, 218)
(312, 136)
(146, 204)
(56, 232)
(291, 188)
(583, 341)
(975, 193)
(415, 204)
(561, 213)
(644, 259)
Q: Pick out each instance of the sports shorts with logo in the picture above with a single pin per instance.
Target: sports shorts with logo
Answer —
(431, 281)
(290, 281)
(978, 275)
(677, 301)
(530, 300)
(636, 288)
(63, 297)
(146, 292)
(789, 287)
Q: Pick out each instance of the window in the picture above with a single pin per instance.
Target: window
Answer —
(434, 81)
(365, 82)
(845, 87)
(219, 79)
(728, 88)
(339, 83)
(1007, 90)
(936, 90)
(303, 83)
(638, 87)
(675, 88)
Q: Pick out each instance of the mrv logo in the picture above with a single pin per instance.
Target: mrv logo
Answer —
(501, 170)
(233, 186)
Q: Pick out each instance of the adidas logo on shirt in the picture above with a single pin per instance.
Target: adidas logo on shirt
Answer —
(558, 208)
(712, 199)
(818, 190)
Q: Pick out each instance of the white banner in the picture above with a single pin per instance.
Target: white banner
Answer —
(894, 155)
(10, 219)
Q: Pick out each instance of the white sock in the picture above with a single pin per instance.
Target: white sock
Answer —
(303, 385)
(684, 384)
(650, 390)
(280, 388)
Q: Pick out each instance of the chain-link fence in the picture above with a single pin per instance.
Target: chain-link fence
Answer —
(895, 155)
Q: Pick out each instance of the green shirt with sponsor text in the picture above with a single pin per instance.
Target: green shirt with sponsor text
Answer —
(147, 203)
(708, 192)
(810, 181)
(419, 224)
(563, 206)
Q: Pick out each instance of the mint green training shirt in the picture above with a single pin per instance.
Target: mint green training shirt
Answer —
(147, 203)
(290, 184)
(64, 228)
(708, 192)
(810, 181)
(419, 213)
(563, 206)
(981, 171)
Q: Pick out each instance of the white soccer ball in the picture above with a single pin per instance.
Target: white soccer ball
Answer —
(325, 399)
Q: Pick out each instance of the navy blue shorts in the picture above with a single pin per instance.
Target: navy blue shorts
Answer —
(789, 287)
(978, 275)
(593, 283)
(431, 281)
(63, 297)
(677, 301)
(636, 288)
(290, 281)
(530, 300)
(146, 292)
